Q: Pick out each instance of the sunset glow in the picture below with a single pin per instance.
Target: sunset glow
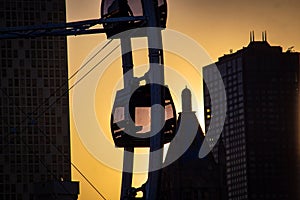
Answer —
(218, 26)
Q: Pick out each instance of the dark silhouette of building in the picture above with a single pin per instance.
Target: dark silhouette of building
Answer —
(60, 190)
(190, 177)
(260, 134)
(34, 124)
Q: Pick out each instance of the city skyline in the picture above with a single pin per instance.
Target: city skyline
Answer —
(211, 38)
(213, 24)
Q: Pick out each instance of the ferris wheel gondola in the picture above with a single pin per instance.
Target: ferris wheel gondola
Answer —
(134, 128)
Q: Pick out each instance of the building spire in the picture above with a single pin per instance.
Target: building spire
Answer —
(186, 99)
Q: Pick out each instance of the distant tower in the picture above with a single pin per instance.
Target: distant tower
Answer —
(190, 177)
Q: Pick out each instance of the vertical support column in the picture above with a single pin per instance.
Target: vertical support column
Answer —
(156, 75)
(128, 158)
(127, 62)
(157, 121)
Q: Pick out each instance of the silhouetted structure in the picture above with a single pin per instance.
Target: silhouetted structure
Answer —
(139, 111)
(125, 8)
(260, 134)
(61, 190)
(190, 177)
(34, 125)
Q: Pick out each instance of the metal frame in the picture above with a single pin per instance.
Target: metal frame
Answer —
(156, 75)
(63, 29)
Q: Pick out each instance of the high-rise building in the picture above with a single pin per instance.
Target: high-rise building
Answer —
(260, 133)
(190, 177)
(34, 112)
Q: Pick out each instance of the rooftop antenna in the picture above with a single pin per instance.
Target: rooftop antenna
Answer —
(251, 36)
(264, 36)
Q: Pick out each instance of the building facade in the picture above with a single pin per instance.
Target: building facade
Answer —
(190, 177)
(34, 112)
(260, 133)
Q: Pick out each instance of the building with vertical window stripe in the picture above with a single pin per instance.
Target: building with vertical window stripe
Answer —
(260, 133)
(34, 112)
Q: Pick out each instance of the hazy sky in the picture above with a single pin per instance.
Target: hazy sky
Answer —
(217, 25)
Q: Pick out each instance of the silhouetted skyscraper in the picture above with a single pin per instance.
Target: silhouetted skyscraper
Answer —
(261, 129)
(189, 177)
(34, 124)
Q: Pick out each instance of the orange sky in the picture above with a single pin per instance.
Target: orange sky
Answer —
(217, 25)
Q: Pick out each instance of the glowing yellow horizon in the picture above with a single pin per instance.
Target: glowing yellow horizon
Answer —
(217, 27)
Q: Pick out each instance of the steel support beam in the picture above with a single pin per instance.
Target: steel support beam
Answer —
(62, 29)
(156, 75)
